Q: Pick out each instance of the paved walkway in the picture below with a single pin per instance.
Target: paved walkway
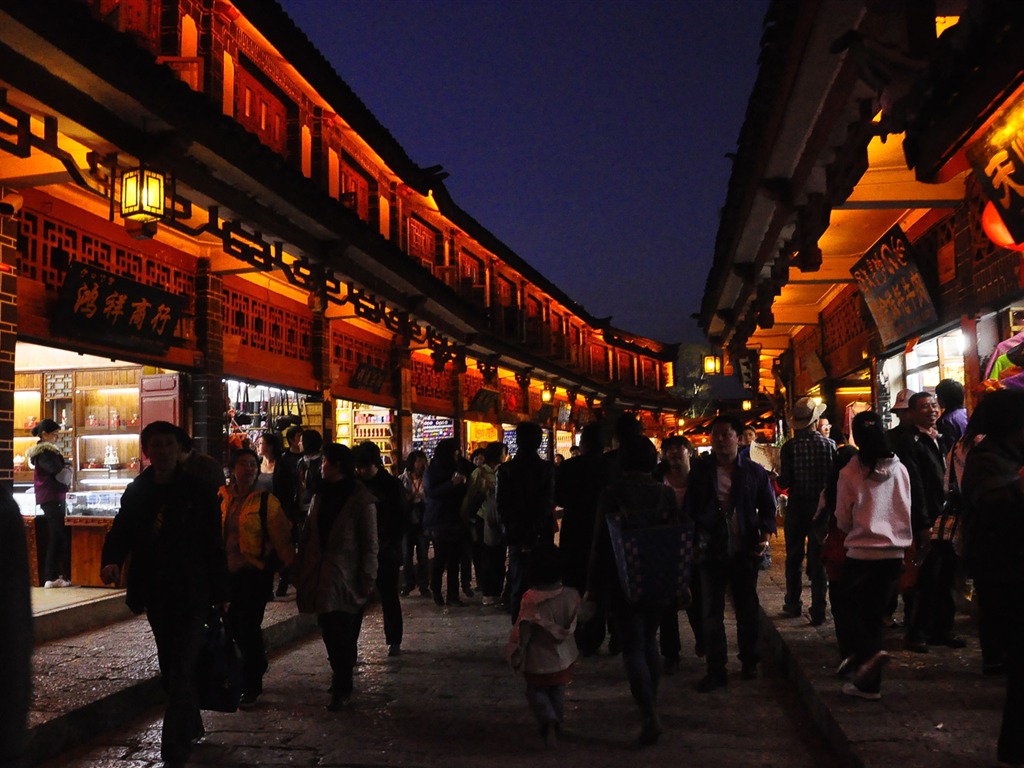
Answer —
(937, 710)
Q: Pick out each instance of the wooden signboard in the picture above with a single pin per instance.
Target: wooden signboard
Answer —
(892, 287)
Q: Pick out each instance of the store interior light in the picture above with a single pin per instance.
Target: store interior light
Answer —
(142, 194)
(712, 364)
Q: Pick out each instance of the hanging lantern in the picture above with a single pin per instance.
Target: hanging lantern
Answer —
(712, 364)
(996, 230)
(142, 194)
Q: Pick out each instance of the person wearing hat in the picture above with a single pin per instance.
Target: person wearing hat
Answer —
(51, 484)
(901, 407)
(806, 463)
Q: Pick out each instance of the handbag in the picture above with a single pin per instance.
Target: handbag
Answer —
(219, 668)
(653, 562)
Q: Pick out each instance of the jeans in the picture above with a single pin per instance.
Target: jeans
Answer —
(865, 587)
(249, 591)
(179, 633)
(389, 563)
(340, 631)
(668, 634)
(416, 543)
(637, 629)
(739, 573)
(547, 702)
(446, 561)
(58, 545)
(799, 529)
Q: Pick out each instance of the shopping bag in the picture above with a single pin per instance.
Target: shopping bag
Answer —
(219, 668)
(653, 562)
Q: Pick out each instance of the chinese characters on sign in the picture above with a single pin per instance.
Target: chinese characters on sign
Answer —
(998, 162)
(100, 306)
(893, 289)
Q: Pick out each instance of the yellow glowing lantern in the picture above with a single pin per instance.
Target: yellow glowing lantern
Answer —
(142, 195)
(546, 394)
(712, 364)
(747, 405)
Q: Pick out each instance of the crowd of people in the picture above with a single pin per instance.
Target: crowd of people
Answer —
(888, 515)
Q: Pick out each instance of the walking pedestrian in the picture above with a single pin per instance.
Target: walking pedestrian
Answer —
(392, 513)
(336, 564)
(541, 644)
(257, 542)
(169, 525)
(873, 510)
(444, 487)
(480, 508)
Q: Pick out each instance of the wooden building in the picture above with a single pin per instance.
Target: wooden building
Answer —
(855, 255)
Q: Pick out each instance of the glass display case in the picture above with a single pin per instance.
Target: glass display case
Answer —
(374, 424)
(107, 426)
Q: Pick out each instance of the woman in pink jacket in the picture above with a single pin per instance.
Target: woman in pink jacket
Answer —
(873, 509)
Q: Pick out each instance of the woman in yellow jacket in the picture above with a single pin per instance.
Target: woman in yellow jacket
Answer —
(253, 541)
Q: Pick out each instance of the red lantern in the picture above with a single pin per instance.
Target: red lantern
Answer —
(996, 229)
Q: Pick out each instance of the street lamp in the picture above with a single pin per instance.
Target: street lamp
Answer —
(712, 364)
(142, 195)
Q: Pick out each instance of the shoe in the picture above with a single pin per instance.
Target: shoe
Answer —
(816, 621)
(851, 689)
(406, 591)
(338, 702)
(650, 732)
(670, 666)
(710, 682)
(550, 734)
(488, 601)
(950, 641)
(439, 601)
(871, 669)
(792, 611)
(57, 583)
(468, 592)
(248, 700)
(915, 646)
(748, 672)
(845, 666)
(394, 650)
(456, 603)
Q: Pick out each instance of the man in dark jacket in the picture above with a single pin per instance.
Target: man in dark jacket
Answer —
(920, 450)
(524, 496)
(170, 525)
(732, 504)
(444, 487)
(392, 513)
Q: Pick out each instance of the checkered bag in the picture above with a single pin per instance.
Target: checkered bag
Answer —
(653, 562)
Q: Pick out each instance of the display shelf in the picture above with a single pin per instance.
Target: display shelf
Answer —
(374, 425)
(106, 409)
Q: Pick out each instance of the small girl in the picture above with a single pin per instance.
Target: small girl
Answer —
(541, 645)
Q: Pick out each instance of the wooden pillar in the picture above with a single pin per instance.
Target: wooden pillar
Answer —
(320, 348)
(207, 389)
(401, 382)
(972, 361)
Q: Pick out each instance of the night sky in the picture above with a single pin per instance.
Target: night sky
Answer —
(590, 137)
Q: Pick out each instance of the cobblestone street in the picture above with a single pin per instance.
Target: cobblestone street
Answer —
(451, 700)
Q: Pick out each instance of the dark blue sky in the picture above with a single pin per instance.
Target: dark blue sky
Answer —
(590, 137)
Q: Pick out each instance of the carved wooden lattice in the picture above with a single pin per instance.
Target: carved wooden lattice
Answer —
(348, 351)
(266, 327)
(511, 398)
(844, 321)
(995, 269)
(429, 383)
(474, 383)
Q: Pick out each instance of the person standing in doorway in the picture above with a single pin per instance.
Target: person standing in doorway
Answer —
(51, 482)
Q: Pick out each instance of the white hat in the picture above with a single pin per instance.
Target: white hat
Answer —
(806, 411)
(902, 400)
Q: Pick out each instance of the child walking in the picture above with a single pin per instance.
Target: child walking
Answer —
(541, 645)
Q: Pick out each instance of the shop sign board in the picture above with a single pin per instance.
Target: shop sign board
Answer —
(100, 306)
(997, 159)
(368, 377)
(893, 289)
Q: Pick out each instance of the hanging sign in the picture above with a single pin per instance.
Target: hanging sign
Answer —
(892, 287)
(997, 159)
(368, 377)
(99, 306)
